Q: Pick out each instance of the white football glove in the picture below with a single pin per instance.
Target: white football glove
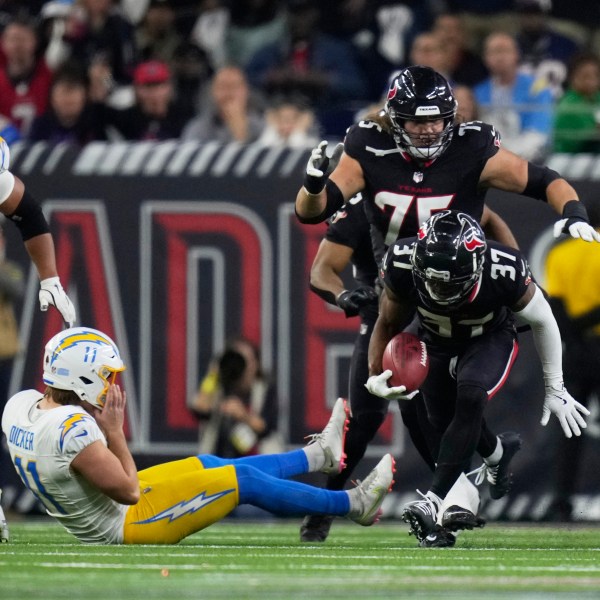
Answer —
(377, 385)
(566, 409)
(579, 229)
(320, 166)
(4, 156)
(51, 292)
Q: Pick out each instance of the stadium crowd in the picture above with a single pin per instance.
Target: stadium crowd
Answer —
(290, 71)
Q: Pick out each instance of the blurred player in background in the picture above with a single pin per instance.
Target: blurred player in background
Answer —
(69, 448)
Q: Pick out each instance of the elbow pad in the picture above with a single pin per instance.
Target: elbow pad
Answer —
(538, 179)
(29, 218)
(335, 201)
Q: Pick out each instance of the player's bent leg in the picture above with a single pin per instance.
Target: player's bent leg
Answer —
(325, 451)
(288, 498)
(181, 503)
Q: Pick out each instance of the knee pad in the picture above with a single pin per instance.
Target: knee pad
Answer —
(470, 401)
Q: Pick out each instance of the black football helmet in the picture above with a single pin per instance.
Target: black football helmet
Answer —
(415, 94)
(448, 257)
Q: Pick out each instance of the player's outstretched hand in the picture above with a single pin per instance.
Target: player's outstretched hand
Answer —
(320, 166)
(377, 385)
(578, 229)
(351, 301)
(52, 292)
(566, 408)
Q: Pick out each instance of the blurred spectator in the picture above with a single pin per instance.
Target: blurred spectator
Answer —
(462, 65)
(426, 50)
(231, 113)
(572, 272)
(192, 73)
(380, 31)
(210, 29)
(96, 33)
(517, 104)
(69, 117)
(12, 287)
(468, 109)
(24, 78)
(291, 123)
(483, 18)
(253, 25)
(11, 9)
(156, 36)
(238, 405)
(577, 114)
(308, 62)
(544, 52)
(156, 114)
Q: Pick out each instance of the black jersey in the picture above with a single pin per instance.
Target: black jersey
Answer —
(503, 282)
(349, 227)
(400, 193)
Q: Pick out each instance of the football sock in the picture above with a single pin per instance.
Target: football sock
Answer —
(494, 458)
(287, 498)
(314, 456)
(283, 466)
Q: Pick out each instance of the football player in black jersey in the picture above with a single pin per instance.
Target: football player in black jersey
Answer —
(412, 160)
(348, 240)
(467, 292)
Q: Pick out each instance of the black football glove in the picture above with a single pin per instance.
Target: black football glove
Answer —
(320, 166)
(351, 301)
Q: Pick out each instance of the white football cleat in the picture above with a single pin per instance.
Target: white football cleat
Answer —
(368, 496)
(331, 439)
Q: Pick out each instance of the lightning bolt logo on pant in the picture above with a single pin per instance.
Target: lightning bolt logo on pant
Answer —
(186, 507)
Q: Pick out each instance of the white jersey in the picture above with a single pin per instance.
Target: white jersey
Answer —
(42, 444)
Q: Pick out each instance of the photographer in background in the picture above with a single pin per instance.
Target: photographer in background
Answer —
(237, 404)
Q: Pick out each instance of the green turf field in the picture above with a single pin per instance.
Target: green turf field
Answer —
(265, 560)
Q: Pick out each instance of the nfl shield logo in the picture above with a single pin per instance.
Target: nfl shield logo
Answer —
(418, 177)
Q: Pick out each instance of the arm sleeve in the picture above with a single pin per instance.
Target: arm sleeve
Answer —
(546, 336)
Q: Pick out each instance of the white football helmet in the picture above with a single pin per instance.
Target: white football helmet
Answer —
(83, 360)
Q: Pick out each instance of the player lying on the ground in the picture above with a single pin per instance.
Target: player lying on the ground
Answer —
(466, 292)
(69, 448)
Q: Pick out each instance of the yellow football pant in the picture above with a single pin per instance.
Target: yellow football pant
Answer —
(179, 498)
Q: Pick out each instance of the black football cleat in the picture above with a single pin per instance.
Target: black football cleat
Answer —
(499, 477)
(440, 537)
(421, 515)
(456, 518)
(315, 528)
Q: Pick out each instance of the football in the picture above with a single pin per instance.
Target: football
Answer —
(406, 357)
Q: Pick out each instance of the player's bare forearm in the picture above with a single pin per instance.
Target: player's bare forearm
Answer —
(559, 192)
(325, 272)
(41, 250)
(392, 318)
(309, 206)
(496, 228)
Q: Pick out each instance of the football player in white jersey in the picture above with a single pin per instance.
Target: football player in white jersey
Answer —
(68, 446)
(21, 208)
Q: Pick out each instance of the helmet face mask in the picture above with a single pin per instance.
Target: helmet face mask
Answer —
(421, 95)
(448, 258)
(83, 360)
